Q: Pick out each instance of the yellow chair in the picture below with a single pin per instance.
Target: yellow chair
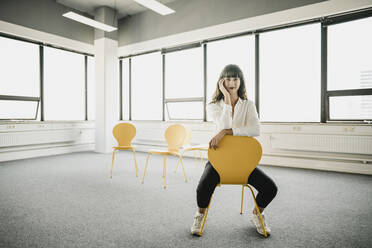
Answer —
(124, 134)
(174, 136)
(187, 147)
(234, 160)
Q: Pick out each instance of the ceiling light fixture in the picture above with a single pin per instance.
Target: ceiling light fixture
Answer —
(90, 22)
(156, 6)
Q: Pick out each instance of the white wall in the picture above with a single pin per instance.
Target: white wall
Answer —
(20, 140)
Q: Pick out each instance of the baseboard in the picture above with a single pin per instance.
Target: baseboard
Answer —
(318, 164)
(33, 153)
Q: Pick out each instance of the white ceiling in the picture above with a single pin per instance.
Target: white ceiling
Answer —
(124, 7)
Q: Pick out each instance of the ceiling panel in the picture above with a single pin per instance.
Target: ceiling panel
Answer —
(124, 7)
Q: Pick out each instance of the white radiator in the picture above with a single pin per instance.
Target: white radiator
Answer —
(38, 137)
(323, 143)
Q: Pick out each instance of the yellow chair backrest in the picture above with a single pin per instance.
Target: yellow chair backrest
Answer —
(235, 158)
(124, 133)
(175, 135)
(187, 139)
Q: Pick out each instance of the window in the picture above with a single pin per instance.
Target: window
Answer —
(20, 80)
(125, 88)
(349, 55)
(63, 85)
(349, 67)
(184, 84)
(184, 73)
(290, 74)
(239, 51)
(350, 107)
(91, 88)
(147, 87)
(18, 109)
(19, 63)
(185, 110)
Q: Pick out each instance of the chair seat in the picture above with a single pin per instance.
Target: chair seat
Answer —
(122, 147)
(164, 152)
(196, 147)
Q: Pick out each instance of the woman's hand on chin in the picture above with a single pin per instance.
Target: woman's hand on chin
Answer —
(224, 91)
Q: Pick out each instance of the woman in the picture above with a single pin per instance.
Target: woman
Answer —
(233, 114)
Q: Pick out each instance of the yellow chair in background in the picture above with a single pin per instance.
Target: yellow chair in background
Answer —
(174, 136)
(124, 134)
(234, 160)
(187, 147)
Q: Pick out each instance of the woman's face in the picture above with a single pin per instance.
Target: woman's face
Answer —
(232, 84)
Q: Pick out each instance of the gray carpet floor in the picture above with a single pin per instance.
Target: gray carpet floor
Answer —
(70, 201)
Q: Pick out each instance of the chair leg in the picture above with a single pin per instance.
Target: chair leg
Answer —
(258, 211)
(162, 173)
(112, 164)
(201, 158)
(165, 170)
(177, 165)
(205, 217)
(175, 171)
(241, 205)
(144, 173)
(183, 168)
(135, 161)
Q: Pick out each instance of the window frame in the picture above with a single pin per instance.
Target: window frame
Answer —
(40, 99)
(327, 94)
(23, 99)
(184, 99)
(258, 83)
(130, 85)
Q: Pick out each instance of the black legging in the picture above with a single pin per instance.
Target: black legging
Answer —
(258, 179)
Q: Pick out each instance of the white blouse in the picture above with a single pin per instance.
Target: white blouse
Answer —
(245, 121)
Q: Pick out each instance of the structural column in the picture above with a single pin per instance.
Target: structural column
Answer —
(107, 81)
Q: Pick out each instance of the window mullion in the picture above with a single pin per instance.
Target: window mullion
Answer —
(257, 72)
(163, 90)
(86, 86)
(205, 81)
(324, 106)
(120, 90)
(41, 64)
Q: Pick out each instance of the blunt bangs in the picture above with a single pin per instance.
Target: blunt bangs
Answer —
(231, 71)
